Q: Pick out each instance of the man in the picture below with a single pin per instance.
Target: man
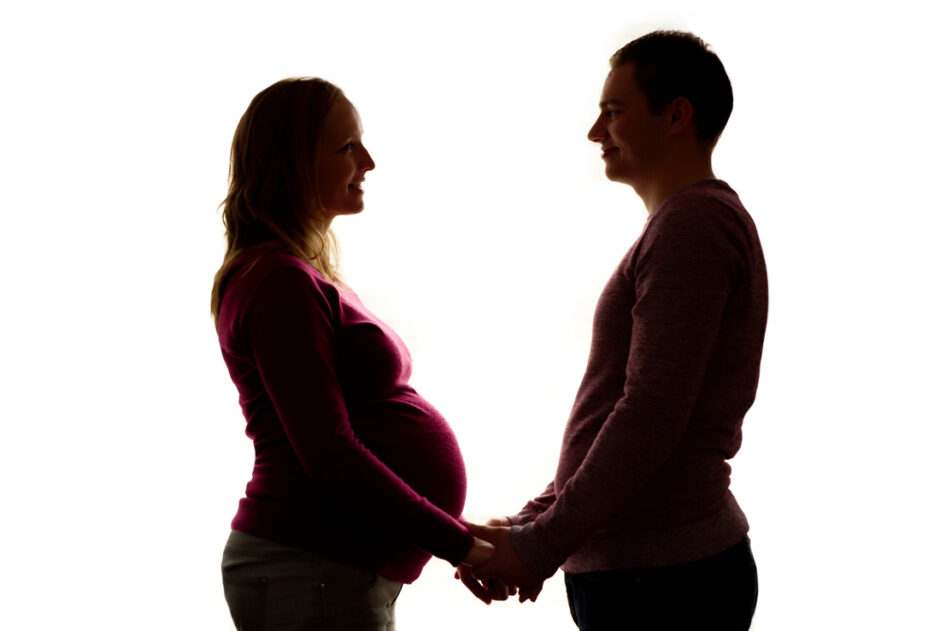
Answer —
(640, 516)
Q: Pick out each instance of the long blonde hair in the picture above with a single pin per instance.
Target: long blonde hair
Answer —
(273, 200)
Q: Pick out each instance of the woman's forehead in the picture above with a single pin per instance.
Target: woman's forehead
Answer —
(342, 118)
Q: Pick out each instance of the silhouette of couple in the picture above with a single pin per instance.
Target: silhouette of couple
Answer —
(358, 480)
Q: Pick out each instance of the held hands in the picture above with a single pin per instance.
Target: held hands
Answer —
(487, 590)
(492, 570)
(481, 552)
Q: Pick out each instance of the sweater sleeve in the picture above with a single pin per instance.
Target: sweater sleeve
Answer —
(535, 506)
(289, 329)
(686, 268)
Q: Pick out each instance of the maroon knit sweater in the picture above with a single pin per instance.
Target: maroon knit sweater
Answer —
(642, 480)
(349, 460)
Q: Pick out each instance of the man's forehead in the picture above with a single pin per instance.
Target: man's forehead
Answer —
(621, 75)
(620, 80)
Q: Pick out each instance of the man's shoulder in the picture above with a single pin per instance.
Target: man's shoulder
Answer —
(704, 194)
(704, 203)
(705, 216)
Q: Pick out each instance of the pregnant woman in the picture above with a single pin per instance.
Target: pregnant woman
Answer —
(357, 479)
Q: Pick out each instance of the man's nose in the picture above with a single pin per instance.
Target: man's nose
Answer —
(598, 131)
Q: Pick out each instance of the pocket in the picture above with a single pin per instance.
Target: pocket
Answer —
(355, 598)
(247, 598)
(343, 577)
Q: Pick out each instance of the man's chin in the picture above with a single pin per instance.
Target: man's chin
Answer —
(615, 175)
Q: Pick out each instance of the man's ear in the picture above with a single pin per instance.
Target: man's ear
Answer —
(680, 113)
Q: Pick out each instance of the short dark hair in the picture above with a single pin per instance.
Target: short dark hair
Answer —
(672, 64)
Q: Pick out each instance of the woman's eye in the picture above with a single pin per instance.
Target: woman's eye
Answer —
(346, 148)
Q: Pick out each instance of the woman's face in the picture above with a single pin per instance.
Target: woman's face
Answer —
(342, 161)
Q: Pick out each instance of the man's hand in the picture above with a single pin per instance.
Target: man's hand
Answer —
(504, 565)
(528, 593)
(480, 553)
(489, 589)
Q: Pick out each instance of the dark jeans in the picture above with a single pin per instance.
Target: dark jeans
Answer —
(273, 587)
(718, 593)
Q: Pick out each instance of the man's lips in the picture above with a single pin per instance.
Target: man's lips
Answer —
(609, 151)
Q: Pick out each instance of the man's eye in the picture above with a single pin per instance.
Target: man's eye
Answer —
(611, 113)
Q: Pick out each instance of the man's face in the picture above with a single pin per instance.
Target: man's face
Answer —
(631, 139)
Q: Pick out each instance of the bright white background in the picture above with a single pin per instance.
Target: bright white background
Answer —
(488, 233)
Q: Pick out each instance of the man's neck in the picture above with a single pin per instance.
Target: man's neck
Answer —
(675, 175)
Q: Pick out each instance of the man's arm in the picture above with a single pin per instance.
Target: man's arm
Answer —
(534, 507)
(686, 268)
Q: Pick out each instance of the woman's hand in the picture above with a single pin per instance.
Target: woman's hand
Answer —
(490, 589)
(481, 552)
(505, 565)
(497, 589)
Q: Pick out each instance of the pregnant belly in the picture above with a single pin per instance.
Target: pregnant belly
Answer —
(417, 444)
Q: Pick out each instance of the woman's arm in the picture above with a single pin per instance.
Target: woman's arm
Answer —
(289, 328)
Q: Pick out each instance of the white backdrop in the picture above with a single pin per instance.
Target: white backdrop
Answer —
(488, 232)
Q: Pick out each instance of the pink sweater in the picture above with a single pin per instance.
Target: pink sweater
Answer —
(642, 480)
(349, 460)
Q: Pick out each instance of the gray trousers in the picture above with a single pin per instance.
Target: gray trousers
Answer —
(270, 586)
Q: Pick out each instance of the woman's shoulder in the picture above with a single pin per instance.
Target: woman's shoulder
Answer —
(255, 267)
(270, 282)
(274, 276)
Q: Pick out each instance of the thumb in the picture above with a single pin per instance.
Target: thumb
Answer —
(483, 532)
(480, 552)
